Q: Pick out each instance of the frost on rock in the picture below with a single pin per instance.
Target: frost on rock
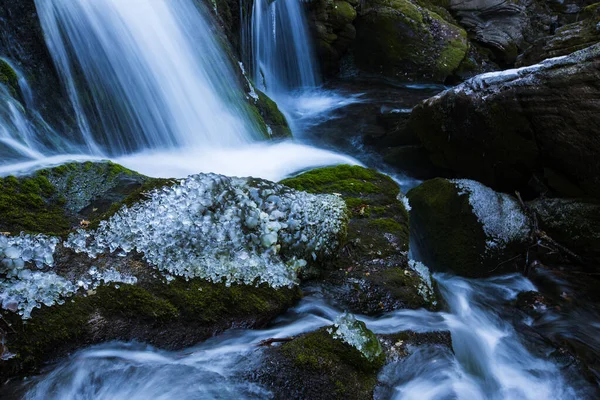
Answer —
(17, 251)
(24, 287)
(353, 332)
(425, 288)
(32, 289)
(214, 227)
(500, 215)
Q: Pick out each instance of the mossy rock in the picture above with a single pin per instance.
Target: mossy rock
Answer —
(272, 117)
(317, 366)
(54, 200)
(371, 274)
(170, 316)
(467, 228)
(9, 77)
(32, 204)
(408, 42)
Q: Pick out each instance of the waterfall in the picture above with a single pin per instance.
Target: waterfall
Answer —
(152, 89)
(282, 54)
(145, 75)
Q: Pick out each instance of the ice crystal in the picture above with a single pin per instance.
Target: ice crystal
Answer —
(425, 288)
(501, 216)
(32, 289)
(353, 332)
(214, 227)
(17, 251)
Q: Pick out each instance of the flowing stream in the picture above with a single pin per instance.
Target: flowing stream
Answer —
(487, 360)
(166, 102)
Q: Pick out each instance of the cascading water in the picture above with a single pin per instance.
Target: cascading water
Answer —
(283, 57)
(145, 75)
(153, 90)
(487, 361)
(278, 47)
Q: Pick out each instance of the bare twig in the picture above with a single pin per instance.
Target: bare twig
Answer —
(270, 341)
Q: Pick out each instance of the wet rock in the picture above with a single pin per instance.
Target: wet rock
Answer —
(532, 129)
(407, 42)
(574, 223)
(332, 23)
(318, 365)
(566, 40)
(506, 28)
(467, 228)
(372, 273)
(144, 269)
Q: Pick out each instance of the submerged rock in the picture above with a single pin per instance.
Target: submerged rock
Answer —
(467, 228)
(532, 129)
(406, 41)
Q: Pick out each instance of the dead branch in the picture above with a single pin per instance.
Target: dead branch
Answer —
(270, 341)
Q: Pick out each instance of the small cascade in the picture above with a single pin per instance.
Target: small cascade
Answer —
(145, 75)
(24, 135)
(283, 58)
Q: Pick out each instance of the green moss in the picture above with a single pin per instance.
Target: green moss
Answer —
(342, 13)
(452, 55)
(318, 356)
(401, 284)
(31, 204)
(452, 237)
(140, 312)
(344, 179)
(9, 77)
(371, 198)
(389, 225)
(268, 112)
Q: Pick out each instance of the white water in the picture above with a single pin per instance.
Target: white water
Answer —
(153, 90)
(283, 58)
(145, 74)
(489, 361)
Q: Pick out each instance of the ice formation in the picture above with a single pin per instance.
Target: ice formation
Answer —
(501, 216)
(33, 289)
(218, 228)
(425, 288)
(353, 332)
(17, 251)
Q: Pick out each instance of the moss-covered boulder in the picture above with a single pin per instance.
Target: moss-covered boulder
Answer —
(54, 200)
(574, 223)
(466, 227)
(170, 316)
(332, 24)
(533, 129)
(167, 262)
(324, 365)
(402, 40)
(372, 273)
(272, 118)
